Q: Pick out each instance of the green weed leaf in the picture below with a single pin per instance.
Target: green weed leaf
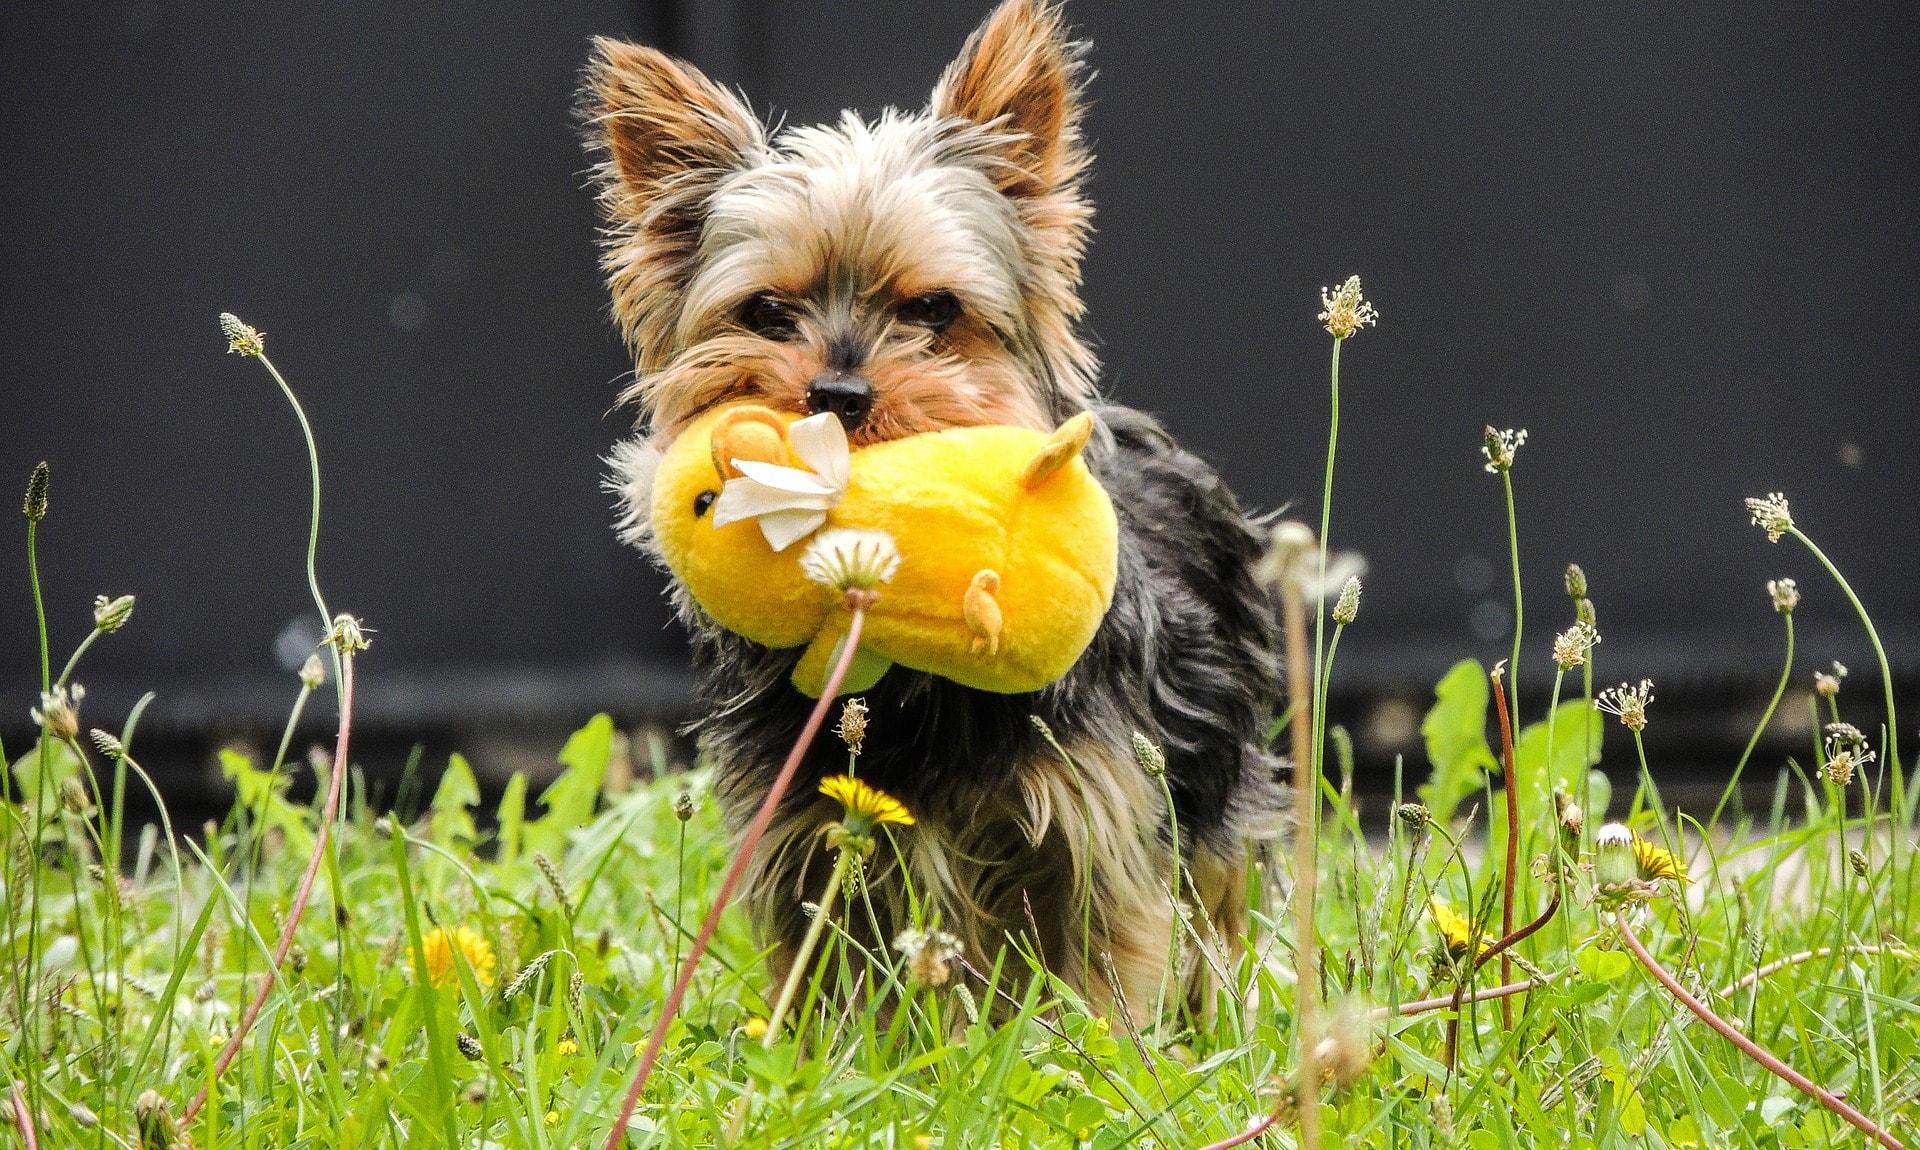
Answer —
(264, 795)
(570, 799)
(450, 823)
(512, 816)
(1456, 734)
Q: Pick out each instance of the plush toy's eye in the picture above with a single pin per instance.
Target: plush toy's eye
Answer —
(935, 310)
(769, 318)
(701, 503)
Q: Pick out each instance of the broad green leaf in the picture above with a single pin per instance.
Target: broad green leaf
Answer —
(1602, 965)
(450, 821)
(512, 814)
(264, 795)
(570, 799)
(1599, 797)
(62, 763)
(1455, 731)
(1576, 741)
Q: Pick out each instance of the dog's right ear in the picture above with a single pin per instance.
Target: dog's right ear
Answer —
(658, 119)
(667, 135)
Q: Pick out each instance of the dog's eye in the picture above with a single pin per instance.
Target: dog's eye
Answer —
(935, 310)
(769, 318)
(701, 503)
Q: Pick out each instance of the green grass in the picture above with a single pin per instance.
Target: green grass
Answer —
(122, 984)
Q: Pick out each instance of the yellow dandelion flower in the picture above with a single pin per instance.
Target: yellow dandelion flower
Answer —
(755, 1029)
(866, 805)
(1456, 932)
(442, 941)
(553, 1118)
(1657, 862)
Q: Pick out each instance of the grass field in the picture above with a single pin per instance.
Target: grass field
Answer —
(441, 985)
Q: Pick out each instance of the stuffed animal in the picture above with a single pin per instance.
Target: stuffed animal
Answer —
(1007, 543)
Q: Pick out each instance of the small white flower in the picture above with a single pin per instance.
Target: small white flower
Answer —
(791, 503)
(1500, 448)
(1346, 311)
(846, 559)
(1771, 514)
(1784, 593)
(1829, 685)
(1628, 703)
(59, 711)
(1570, 647)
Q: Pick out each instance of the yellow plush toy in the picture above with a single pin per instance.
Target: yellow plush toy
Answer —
(1007, 543)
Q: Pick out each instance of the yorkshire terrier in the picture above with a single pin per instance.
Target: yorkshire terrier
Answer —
(910, 273)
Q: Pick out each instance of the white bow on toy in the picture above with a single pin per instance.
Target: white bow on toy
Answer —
(790, 502)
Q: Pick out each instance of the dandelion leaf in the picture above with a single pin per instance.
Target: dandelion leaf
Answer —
(1576, 745)
(264, 796)
(570, 799)
(512, 816)
(1455, 731)
(62, 764)
(450, 822)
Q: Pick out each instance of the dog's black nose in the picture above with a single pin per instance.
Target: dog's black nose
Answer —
(847, 396)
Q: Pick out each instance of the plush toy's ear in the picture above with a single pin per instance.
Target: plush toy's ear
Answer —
(1061, 448)
(753, 433)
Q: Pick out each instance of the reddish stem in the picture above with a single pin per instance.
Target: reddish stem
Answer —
(1751, 1048)
(1513, 844)
(742, 854)
(232, 1049)
(23, 1118)
(1255, 1130)
(1453, 1001)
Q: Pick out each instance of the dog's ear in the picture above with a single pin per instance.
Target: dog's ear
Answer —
(668, 136)
(659, 120)
(1020, 73)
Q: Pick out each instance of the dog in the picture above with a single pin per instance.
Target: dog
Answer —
(909, 273)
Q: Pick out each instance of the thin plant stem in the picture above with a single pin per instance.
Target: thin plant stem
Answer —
(1173, 941)
(1519, 606)
(73, 661)
(1886, 676)
(344, 655)
(743, 853)
(38, 825)
(808, 942)
(313, 476)
(1509, 884)
(791, 985)
(1766, 718)
(1748, 1046)
(1652, 789)
(1780, 964)
(1306, 800)
(1454, 1001)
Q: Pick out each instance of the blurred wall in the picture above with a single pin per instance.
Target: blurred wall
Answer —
(1677, 244)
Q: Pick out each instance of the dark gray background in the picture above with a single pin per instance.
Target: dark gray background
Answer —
(1676, 243)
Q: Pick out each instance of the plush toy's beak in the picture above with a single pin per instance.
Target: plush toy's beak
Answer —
(1060, 449)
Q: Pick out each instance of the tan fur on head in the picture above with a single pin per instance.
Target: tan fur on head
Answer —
(978, 197)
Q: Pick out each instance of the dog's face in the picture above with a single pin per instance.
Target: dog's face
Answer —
(911, 273)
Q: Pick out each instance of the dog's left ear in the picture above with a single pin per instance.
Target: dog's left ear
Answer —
(1020, 74)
